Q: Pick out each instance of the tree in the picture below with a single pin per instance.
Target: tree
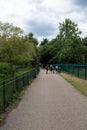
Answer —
(84, 41)
(66, 47)
(32, 39)
(33, 42)
(15, 48)
(9, 36)
(68, 29)
(71, 42)
(44, 41)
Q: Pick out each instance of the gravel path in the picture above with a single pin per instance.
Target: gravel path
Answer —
(49, 103)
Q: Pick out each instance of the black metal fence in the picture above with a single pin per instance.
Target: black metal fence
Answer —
(79, 70)
(9, 89)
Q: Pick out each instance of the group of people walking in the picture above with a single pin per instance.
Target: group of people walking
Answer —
(52, 69)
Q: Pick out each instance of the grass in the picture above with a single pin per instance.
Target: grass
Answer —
(79, 83)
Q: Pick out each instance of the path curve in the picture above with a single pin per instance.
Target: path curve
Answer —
(49, 103)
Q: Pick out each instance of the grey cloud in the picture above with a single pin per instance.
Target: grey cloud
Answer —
(81, 2)
(41, 29)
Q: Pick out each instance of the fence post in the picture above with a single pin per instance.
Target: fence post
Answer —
(27, 79)
(23, 81)
(78, 72)
(85, 72)
(35, 72)
(16, 80)
(4, 94)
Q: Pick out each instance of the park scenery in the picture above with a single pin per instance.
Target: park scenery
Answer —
(49, 56)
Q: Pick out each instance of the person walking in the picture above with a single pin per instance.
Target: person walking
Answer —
(51, 68)
(47, 68)
(56, 69)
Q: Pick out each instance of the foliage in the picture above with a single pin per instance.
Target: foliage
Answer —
(17, 48)
(45, 40)
(84, 41)
(66, 47)
(4, 67)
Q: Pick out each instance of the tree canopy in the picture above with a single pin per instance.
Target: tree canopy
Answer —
(19, 49)
(15, 47)
(66, 47)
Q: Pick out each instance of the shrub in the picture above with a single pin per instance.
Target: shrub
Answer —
(4, 68)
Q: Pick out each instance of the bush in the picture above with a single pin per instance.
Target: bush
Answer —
(4, 68)
(2, 75)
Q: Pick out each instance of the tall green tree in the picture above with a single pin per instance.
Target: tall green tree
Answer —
(15, 48)
(66, 47)
(72, 49)
(32, 39)
(33, 44)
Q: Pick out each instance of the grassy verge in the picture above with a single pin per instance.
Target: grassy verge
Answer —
(79, 83)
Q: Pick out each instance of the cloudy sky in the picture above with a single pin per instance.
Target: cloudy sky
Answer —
(42, 17)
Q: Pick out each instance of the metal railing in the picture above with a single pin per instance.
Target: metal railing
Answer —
(79, 70)
(9, 89)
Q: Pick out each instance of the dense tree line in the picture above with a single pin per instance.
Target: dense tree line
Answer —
(66, 47)
(21, 50)
(17, 49)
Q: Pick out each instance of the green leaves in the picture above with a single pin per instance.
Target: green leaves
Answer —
(66, 47)
(15, 47)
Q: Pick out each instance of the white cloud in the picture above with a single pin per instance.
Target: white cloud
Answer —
(42, 17)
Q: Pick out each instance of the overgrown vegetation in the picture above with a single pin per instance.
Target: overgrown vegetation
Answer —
(16, 50)
(18, 55)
